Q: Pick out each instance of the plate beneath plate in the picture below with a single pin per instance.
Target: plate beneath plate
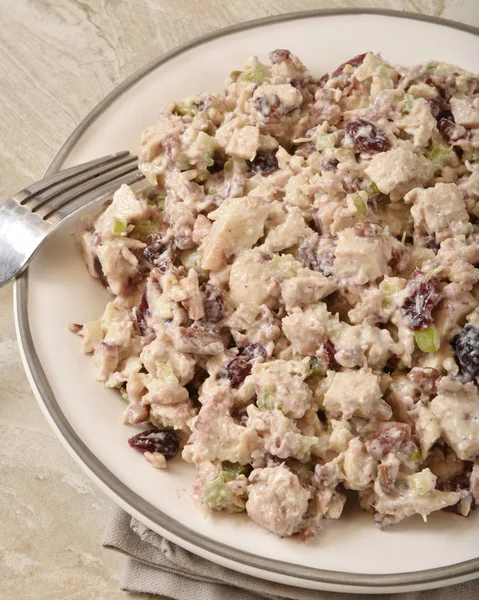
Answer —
(349, 554)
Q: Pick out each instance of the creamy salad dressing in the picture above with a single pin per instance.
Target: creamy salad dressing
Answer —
(295, 295)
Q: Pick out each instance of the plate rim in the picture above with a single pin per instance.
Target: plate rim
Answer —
(111, 484)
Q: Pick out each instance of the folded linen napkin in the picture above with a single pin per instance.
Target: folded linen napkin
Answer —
(156, 566)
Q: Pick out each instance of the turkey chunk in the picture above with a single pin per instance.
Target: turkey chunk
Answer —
(125, 207)
(456, 407)
(356, 394)
(436, 209)
(238, 224)
(362, 253)
(305, 329)
(465, 111)
(292, 231)
(251, 281)
(243, 142)
(397, 166)
(277, 500)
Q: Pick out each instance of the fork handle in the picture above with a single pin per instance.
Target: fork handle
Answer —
(20, 235)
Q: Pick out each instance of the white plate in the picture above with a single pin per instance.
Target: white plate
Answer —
(349, 554)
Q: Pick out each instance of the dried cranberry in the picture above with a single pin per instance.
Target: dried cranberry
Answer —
(367, 137)
(457, 483)
(236, 371)
(354, 62)
(440, 109)
(329, 352)
(213, 303)
(451, 131)
(277, 56)
(155, 249)
(263, 163)
(218, 164)
(424, 295)
(305, 149)
(317, 254)
(141, 312)
(163, 441)
(396, 439)
(466, 345)
(99, 271)
(270, 107)
(252, 351)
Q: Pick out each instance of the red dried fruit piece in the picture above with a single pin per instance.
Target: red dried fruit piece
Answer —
(277, 56)
(329, 352)
(213, 303)
(163, 441)
(158, 253)
(270, 107)
(424, 296)
(262, 163)
(466, 346)
(367, 137)
(236, 371)
(451, 131)
(252, 351)
(141, 312)
(356, 61)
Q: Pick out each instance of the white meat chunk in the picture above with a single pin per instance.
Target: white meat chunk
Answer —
(419, 123)
(362, 346)
(277, 501)
(278, 435)
(416, 494)
(238, 224)
(397, 166)
(456, 407)
(305, 288)
(361, 258)
(427, 428)
(177, 416)
(251, 281)
(356, 394)
(125, 207)
(292, 231)
(279, 385)
(306, 329)
(436, 209)
(465, 111)
(451, 312)
(216, 436)
(118, 262)
(243, 142)
(358, 466)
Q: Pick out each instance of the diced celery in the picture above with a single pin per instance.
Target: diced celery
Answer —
(233, 470)
(344, 154)
(313, 367)
(326, 140)
(407, 103)
(265, 399)
(416, 455)
(282, 267)
(370, 187)
(119, 227)
(143, 229)
(432, 66)
(216, 492)
(182, 111)
(361, 205)
(428, 340)
(439, 154)
(258, 75)
(160, 202)
(165, 374)
(202, 176)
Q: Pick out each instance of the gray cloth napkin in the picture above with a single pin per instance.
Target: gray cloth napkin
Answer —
(156, 566)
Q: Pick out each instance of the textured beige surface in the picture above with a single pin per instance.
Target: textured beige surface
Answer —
(58, 58)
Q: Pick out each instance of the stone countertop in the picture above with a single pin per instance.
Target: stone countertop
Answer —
(58, 59)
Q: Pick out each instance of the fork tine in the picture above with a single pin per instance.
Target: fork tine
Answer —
(94, 196)
(61, 186)
(63, 198)
(61, 176)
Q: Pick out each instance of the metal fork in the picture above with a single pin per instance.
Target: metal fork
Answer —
(28, 217)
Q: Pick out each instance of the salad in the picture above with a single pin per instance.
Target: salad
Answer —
(294, 294)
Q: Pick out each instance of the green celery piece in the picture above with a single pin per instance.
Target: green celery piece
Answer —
(258, 75)
(119, 227)
(428, 340)
(416, 455)
(182, 111)
(360, 205)
(216, 492)
(145, 228)
(439, 153)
